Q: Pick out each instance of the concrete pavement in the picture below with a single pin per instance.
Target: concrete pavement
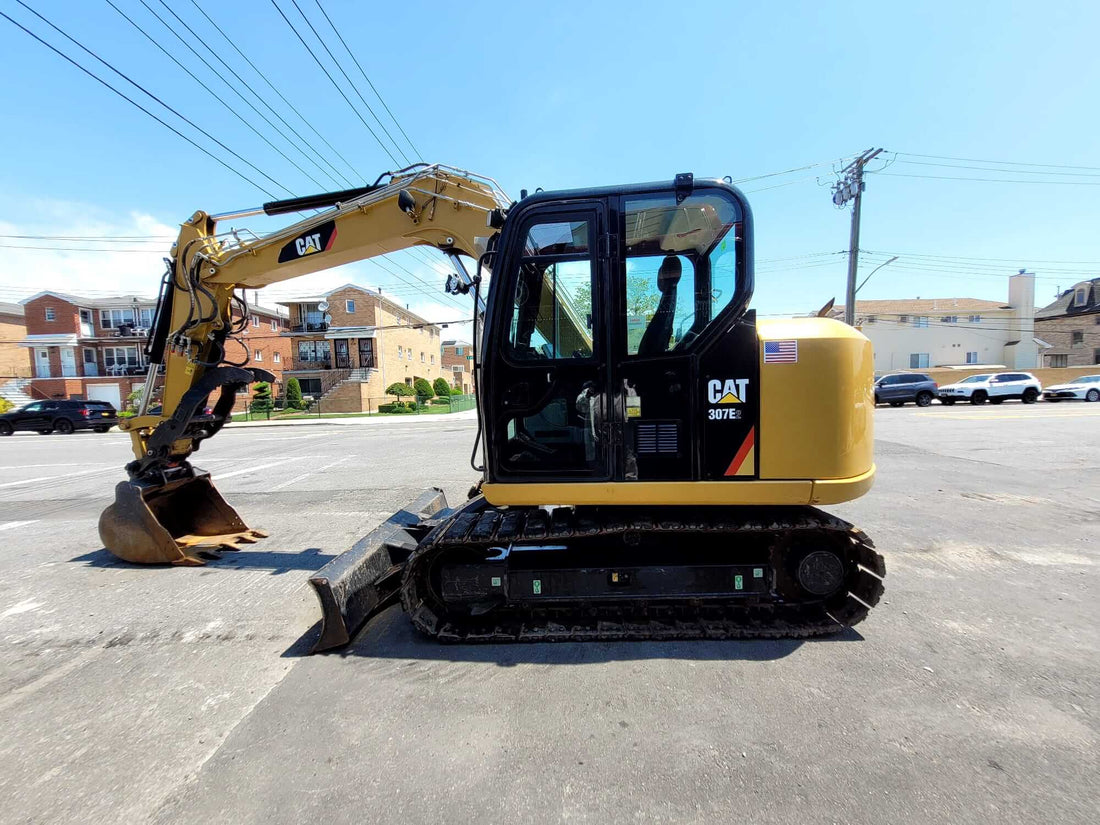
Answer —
(167, 695)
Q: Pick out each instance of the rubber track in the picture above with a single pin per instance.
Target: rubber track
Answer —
(483, 527)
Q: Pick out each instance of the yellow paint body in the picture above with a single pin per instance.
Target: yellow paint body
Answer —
(816, 433)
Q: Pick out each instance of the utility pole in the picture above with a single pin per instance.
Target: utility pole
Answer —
(850, 187)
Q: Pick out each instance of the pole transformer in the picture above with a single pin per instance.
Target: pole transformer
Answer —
(850, 188)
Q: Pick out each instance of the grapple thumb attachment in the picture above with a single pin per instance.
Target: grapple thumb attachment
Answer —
(182, 521)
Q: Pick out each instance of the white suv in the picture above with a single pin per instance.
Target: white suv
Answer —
(994, 388)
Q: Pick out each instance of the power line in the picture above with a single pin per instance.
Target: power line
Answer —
(282, 97)
(131, 101)
(194, 77)
(351, 82)
(229, 85)
(1001, 162)
(365, 77)
(995, 169)
(990, 180)
(333, 175)
(331, 80)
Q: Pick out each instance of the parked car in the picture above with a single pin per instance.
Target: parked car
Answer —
(900, 387)
(63, 416)
(1086, 388)
(994, 388)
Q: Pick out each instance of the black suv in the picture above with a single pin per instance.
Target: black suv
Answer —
(896, 389)
(63, 416)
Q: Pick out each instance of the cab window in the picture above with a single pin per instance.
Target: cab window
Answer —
(681, 267)
(551, 308)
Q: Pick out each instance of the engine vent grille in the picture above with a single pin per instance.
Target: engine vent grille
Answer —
(657, 439)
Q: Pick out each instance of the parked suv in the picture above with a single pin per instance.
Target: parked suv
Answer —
(896, 389)
(994, 388)
(63, 416)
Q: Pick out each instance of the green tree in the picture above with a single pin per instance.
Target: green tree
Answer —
(423, 389)
(400, 389)
(293, 394)
(261, 396)
(640, 297)
(133, 400)
(441, 387)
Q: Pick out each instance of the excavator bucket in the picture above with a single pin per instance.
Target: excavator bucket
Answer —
(184, 521)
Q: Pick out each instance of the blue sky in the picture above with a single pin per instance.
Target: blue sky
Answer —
(564, 95)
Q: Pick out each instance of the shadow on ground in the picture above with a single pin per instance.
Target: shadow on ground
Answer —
(390, 635)
(311, 559)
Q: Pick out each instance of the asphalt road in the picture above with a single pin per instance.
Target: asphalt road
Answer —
(176, 695)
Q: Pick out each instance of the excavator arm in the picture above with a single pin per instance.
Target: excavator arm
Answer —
(168, 511)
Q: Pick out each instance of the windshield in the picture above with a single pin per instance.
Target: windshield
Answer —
(973, 379)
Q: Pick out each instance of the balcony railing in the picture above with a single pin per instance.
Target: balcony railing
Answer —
(320, 326)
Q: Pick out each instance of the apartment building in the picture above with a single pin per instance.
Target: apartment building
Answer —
(351, 343)
(1071, 325)
(458, 364)
(94, 347)
(920, 333)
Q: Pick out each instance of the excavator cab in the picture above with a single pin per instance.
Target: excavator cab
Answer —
(606, 310)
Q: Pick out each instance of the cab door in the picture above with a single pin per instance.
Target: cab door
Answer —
(544, 373)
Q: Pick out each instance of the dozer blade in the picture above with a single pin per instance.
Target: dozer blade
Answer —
(184, 521)
(361, 581)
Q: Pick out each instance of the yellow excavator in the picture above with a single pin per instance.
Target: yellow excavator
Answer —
(650, 452)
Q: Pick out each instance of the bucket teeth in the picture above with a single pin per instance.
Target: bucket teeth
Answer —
(185, 522)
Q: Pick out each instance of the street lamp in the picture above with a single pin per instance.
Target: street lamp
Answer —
(873, 271)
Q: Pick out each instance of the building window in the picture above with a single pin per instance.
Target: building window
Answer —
(458, 350)
(1058, 361)
(118, 358)
(421, 358)
(277, 357)
(950, 319)
(254, 320)
(974, 319)
(920, 321)
(972, 357)
(903, 319)
(257, 355)
(114, 318)
(274, 326)
(1080, 298)
(1096, 356)
(314, 351)
(433, 359)
(349, 306)
(918, 360)
(1078, 336)
(51, 314)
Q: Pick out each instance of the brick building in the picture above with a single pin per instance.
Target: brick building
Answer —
(458, 364)
(1071, 325)
(13, 329)
(94, 347)
(351, 343)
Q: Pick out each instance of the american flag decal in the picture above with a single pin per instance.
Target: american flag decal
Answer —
(781, 352)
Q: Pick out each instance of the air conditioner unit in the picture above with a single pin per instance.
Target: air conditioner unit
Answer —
(323, 306)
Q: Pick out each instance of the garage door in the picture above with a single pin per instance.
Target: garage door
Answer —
(105, 392)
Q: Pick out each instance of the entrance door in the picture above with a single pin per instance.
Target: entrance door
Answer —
(366, 352)
(68, 362)
(343, 361)
(546, 388)
(41, 362)
(91, 368)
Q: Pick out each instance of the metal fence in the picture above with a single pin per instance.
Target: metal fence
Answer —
(392, 405)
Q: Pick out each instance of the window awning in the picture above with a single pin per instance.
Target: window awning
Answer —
(350, 332)
(49, 340)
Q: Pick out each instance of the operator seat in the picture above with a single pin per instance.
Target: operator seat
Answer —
(658, 333)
